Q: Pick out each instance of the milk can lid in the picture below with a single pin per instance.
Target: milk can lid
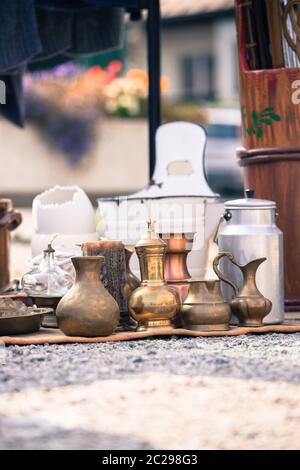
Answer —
(249, 202)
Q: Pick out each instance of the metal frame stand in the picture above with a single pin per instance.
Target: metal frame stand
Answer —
(135, 7)
(154, 66)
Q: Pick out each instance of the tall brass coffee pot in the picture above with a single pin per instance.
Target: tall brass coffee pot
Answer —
(154, 304)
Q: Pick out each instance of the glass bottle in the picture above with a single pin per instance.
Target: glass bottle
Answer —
(47, 279)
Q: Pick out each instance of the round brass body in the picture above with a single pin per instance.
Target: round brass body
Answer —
(205, 309)
(154, 306)
(88, 309)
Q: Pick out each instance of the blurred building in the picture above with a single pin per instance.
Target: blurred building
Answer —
(198, 49)
(199, 57)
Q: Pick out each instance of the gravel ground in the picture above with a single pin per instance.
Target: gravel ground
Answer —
(274, 357)
(201, 393)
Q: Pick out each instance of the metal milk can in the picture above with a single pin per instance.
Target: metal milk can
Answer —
(250, 232)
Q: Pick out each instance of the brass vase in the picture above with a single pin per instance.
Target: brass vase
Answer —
(154, 304)
(131, 281)
(176, 271)
(248, 304)
(205, 309)
(88, 309)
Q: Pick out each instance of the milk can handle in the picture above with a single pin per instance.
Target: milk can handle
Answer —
(226, 216)
(220, 275)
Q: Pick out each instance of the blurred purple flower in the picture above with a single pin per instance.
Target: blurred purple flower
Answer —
(70, 131)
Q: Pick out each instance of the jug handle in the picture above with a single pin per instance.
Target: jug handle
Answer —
(220, 275)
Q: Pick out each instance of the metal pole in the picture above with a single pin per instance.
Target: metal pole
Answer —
(154, 105)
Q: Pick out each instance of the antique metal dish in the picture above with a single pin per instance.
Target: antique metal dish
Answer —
(50, 303)
(18, 325)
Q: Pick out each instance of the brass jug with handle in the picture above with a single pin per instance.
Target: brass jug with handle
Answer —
(248, 305)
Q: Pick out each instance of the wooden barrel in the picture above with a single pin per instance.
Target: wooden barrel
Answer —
(270, 100)
(9, 220)
(270, 157)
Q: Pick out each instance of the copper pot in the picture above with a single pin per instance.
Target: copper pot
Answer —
(176, 271)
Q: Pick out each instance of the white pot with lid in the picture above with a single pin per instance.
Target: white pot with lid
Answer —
(251, 232)
(179, 198)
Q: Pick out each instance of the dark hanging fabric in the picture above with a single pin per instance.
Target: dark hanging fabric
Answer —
(55, 32)
(14, 109)
(96, 32)
(80, 27)
(35, 30)
(19, 37)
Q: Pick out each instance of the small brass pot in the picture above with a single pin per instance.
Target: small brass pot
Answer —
(205, 309)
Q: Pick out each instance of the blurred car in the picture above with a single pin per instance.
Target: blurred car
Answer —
(223, 137)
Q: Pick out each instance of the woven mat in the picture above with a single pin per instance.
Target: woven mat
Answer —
(55, 336)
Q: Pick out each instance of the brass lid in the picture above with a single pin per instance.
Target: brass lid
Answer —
(150, 238)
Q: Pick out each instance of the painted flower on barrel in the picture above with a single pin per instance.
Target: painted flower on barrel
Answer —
(259, 119)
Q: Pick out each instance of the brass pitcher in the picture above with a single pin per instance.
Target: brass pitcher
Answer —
(154, 304)
(131, 281)
(205, 309)
(248, 305)
(88, 309)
